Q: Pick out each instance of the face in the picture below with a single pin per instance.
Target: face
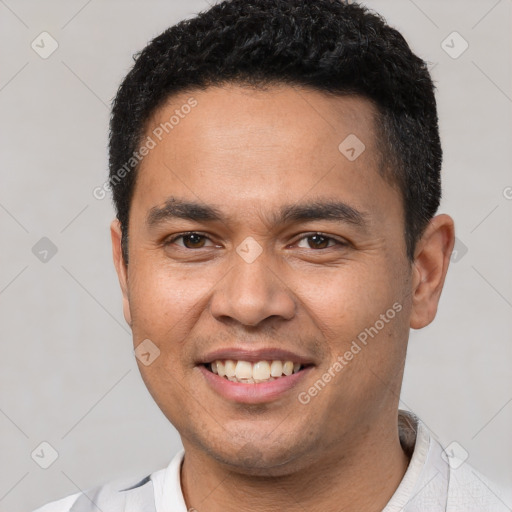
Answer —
(257, 236)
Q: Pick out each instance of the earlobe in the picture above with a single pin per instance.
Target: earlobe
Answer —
(431, 262)
(121, 267)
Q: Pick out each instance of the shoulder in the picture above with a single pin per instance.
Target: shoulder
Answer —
(440, 478)
(110, 496)
(469, 490)
(61, 505)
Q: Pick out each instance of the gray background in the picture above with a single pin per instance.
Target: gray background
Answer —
(67, 370)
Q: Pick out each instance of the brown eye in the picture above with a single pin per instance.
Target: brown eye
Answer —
(194, 241)
(319, 241)
(190, 241)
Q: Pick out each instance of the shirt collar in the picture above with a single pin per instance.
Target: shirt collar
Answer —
(414, 438)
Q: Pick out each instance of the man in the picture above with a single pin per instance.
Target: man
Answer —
(275, 167)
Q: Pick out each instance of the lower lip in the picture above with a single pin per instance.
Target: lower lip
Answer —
(253, 393)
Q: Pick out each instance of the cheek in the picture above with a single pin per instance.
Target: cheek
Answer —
(348, 299)
(159, 305)
(361, 314)
(160, 295)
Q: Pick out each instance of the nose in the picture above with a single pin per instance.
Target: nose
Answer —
(251, 293)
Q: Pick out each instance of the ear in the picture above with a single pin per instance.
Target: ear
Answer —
(121, 267)
(431, 260)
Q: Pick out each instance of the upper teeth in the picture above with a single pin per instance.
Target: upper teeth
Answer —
(244, 371)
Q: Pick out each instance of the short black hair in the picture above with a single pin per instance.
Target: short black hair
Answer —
(330, 46)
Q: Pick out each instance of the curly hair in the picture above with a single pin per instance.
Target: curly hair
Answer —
(329, 46)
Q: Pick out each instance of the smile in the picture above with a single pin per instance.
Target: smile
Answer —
(246, 372)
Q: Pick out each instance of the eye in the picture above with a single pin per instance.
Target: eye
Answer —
(192, 240)
(196, 240)
(321, 241)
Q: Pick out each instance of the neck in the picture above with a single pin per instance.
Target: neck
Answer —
(342, 479)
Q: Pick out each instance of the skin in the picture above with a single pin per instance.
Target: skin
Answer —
(248, 153)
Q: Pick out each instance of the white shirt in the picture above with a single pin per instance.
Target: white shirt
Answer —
(435, 481)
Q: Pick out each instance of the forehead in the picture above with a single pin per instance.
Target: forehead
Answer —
(241, 114)
(240, 147)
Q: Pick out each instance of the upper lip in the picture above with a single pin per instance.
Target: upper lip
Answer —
(254, 355)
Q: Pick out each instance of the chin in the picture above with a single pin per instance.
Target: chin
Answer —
(259, 458)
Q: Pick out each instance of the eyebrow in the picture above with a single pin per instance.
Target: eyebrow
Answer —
(327, 210)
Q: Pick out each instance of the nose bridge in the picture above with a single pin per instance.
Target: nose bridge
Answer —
(252, 290)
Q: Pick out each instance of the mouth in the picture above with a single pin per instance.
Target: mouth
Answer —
(247, 372)
(254, 376)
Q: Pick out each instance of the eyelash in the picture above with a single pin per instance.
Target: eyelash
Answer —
(308, 235)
